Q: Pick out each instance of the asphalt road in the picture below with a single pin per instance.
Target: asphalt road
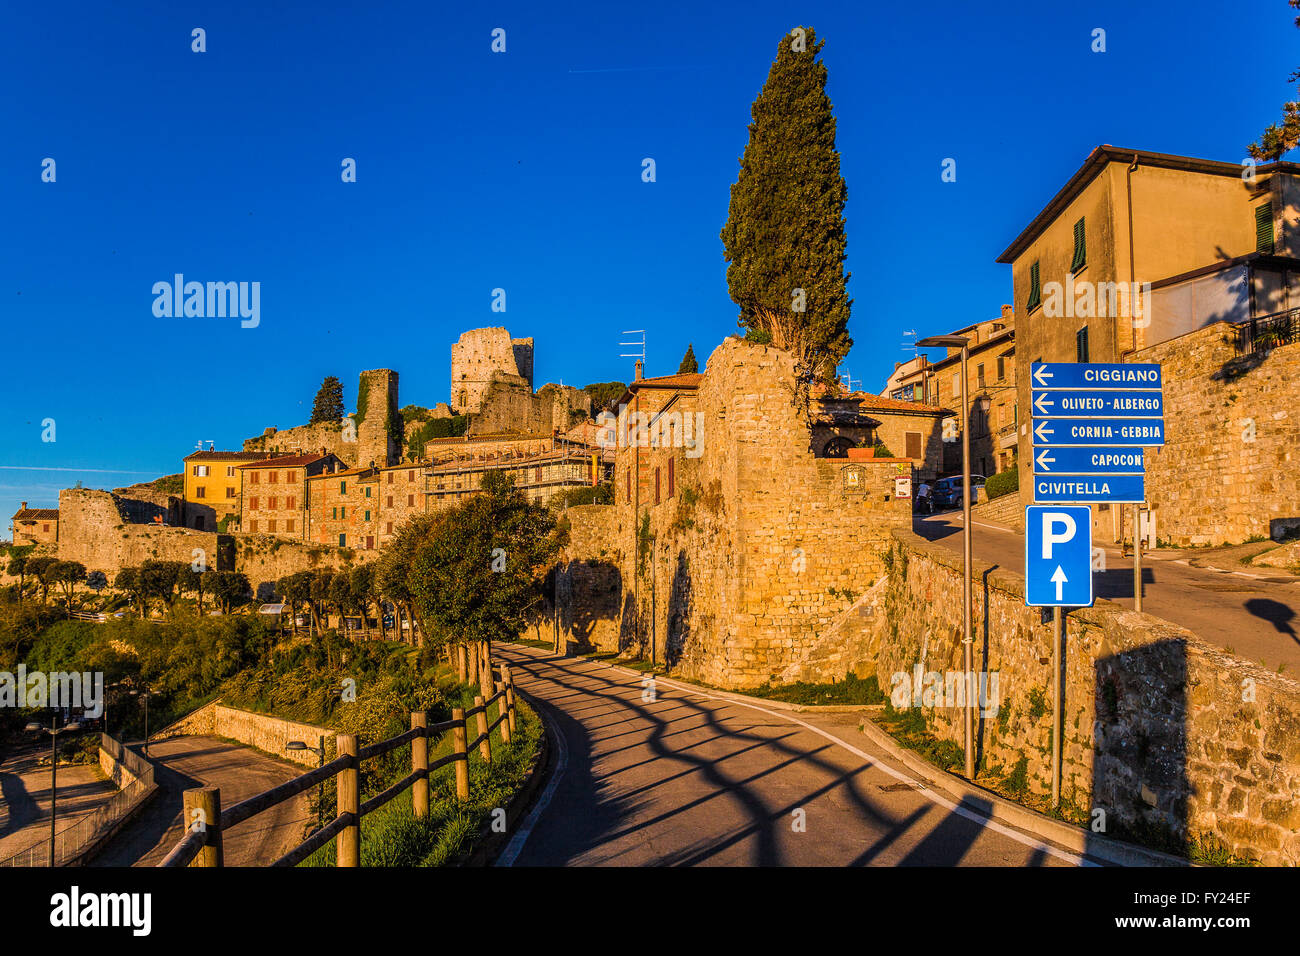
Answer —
(690, 778)
(1254, 615)
(25, 798)
(240, 772)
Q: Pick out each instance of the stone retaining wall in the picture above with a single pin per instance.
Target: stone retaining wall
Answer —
(1164, 734)
(266, 733)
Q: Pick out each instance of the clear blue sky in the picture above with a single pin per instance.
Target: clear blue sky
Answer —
(522, 171)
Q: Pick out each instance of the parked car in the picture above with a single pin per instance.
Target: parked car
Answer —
(946, 492)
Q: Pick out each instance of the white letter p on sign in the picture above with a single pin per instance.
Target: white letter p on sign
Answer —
(1050, 520)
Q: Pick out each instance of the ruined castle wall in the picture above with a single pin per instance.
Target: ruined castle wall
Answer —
(337, 438)
(380, 430)
(1162, 732)
(511, 406)
(762, 552)
(95, 532)
(265, 558)
(477, 357)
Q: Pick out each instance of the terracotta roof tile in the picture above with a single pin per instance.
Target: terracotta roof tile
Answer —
(37, 514)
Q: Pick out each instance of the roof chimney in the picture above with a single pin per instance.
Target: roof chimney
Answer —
(640, 369)
(24, 507)
(1008, 313)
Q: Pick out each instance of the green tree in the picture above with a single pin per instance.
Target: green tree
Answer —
(128, 580)
(784, 238)
(229, 588)
(37, 568)
(191, 581)
(67, 575)
(1277, 140)
(18, 569)
(479, 566)
(603, 394)
(328, 406)
(361, 580)
(688, 361)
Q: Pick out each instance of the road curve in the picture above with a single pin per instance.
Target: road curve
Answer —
(184, 762)
(687, 778)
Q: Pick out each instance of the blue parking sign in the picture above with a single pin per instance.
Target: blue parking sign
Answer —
(1058, 556)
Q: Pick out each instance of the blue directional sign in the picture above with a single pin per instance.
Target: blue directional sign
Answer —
(1079, 403)
(1106, 432)
(1058, 556)
(1094, 375)
(1089, 461)
(1116, 489)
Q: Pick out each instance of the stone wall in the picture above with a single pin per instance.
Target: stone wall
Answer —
(1230, 468)
(1164, 733)
(94, 531)
(265, 558)
(380, 430)
(763, 551)
(266, 733)
(509, 405)
(331, 437)
(482, 355)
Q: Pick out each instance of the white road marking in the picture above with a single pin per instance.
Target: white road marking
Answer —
(516, 844)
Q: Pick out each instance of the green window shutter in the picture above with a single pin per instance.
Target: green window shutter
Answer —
(1264, 228)
(1080, 248)
(1081, 345)
(1035, 293)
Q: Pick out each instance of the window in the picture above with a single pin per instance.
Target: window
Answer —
(252, 525)
(1080, 248)
(270, 525)
(410, 499)
(252, 504)
(956, 384)
(629, 486)
(343, 541)
(1035, 290)
(290, 502)
(672, 478)
(367, 491)
(914, 446)
(390, 477)
(343, 512)
(1264, 228)
(370, 542)
(367, 515)
(230, 471)
(273, 477)
(1081, 345)
(388, 502)
(537, 474)
(410, 476)
(200, 471)
(979, 374)
(230, 492)
(334, 512)
(389, 527)
(200, 492)
(290, 476)
(343, 487)
(656, 486)
(270, 503)
(288, 524)
(1002, 368)
(255, 477)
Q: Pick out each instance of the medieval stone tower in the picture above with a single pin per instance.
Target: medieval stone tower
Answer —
(379, 423)
(481, 355)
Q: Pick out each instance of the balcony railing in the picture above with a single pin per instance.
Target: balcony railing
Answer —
(1268, 332)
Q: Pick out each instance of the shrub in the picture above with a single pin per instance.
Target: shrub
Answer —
(1003, 483)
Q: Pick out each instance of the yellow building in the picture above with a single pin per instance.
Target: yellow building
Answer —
(212, 485)
(1139, 248)
(991, 390)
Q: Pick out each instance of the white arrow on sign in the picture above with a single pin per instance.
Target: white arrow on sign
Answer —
(1042, 431)
(1040, 401)
(1040, 375)
(1059, 579)
(1044, 459)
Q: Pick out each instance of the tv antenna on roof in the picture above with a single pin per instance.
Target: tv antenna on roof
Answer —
(912, 346)
(208, 441)
(636, 355)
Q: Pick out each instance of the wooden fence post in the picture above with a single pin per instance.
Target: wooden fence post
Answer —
(462, 667)
(472, 676)
(485, 746)
(484, 670)
(458, 746)
(420, 763)
(203, 806)
(503, 711)
(349, 802)
(510, 695)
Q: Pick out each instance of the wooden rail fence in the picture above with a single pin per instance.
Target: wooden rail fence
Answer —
(201, 845)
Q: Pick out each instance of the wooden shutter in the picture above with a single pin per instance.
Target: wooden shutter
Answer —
(1264, 228)
(1035, 293)
(914, 445)
(1080, 248)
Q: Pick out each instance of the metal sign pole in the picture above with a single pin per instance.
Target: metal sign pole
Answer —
(1057, 635)
(1137, 558)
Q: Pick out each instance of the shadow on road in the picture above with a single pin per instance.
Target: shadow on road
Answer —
(1276, 613)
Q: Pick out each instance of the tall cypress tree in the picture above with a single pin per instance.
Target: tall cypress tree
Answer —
(785, 228)
(328, 406)
(688, 360)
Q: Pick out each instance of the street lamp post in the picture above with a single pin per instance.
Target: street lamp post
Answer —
(54, 730)
(968, 639)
